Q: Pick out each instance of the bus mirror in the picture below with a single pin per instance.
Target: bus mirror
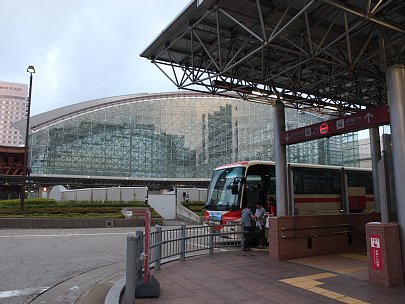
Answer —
(235, 189)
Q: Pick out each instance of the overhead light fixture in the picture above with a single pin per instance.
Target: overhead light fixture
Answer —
(31, 69)
(331, 108)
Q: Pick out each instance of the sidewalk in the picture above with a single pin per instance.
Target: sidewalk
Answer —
(252, 277)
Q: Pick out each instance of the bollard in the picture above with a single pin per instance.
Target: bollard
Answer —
(183, 242)
(242, 239)
(211, 244)
(139, 256)
(130, 270)
(159, 247)
(146, 248)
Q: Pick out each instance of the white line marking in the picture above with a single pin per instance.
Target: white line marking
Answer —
(54, 235)
(22, 292)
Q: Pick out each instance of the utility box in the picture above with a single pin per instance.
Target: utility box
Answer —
(384, 254)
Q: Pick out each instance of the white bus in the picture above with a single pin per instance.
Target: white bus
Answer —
(314, 189)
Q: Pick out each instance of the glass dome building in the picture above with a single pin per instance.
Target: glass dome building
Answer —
(169, 135)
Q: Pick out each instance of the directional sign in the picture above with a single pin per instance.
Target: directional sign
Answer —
(351, 123)
(324, 128)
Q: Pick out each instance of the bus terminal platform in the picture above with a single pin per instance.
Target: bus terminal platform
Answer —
(253, 277)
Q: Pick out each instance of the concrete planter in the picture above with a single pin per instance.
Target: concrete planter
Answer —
(44, 223)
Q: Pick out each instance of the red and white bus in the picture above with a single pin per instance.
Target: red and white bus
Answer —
(313, 189)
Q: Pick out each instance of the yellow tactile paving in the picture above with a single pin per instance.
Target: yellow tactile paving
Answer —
(319, 276)
(309, 283)
(355, 256)
(350, 300)
(351, 264)
(351, 270)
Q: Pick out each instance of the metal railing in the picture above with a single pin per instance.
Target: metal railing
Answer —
(169, 243)
(134, 264)
(315, 231)
(173, 244)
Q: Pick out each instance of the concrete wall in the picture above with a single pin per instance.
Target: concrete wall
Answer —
(190, 194)
(84, 194)
(114, 194)
(118, 194)
(100, 195)
(41, 223)
(293, 237)
(164, 204)
(185, 214)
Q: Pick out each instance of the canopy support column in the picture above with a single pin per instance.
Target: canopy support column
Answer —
(375, 158)
(281, 160)
(396, 99)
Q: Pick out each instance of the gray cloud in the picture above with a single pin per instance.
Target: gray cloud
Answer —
(82, 49)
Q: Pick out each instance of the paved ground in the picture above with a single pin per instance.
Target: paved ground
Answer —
(79, 266)
(252, 277)
(63, 265)
(71, 259)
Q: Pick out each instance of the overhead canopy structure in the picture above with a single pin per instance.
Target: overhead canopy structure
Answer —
(327, 56)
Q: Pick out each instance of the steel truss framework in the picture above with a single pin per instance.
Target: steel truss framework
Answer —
(170, 135)
(327, 56)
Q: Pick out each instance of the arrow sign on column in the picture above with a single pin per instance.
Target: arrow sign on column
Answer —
(368, 116)
(364, 119)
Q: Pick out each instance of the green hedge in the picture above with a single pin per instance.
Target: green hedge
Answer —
(196, 206)
(70, 215)
(28, 201)
(50, 208)
(193, 203)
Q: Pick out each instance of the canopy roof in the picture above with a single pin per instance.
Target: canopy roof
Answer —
(327, 56)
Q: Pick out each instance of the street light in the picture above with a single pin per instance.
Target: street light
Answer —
(30, 70)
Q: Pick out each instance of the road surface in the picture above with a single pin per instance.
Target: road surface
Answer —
(33, 261)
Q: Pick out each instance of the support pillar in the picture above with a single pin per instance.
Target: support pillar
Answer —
(375, 158)
(396, 98)
(281, 160)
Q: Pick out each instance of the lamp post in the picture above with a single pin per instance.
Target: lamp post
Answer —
(30, 70)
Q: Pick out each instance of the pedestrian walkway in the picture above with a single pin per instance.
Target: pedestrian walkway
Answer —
(253, 277)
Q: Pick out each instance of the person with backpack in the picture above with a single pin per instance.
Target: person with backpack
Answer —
(247, 221)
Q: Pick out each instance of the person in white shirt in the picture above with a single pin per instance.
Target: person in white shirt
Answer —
(260, 216)
(247, 220)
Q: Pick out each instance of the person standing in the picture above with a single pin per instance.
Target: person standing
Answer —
(272, 206)
(247, 220)
(260, 216)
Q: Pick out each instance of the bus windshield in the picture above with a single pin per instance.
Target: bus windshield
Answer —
(220, 197)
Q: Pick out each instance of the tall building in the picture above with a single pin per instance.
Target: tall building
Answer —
(13, 99)
(167, 135)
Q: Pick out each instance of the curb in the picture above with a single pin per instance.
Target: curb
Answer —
(115, 293)
(57, 223)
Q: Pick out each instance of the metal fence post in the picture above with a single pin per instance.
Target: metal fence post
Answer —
(183, 243)
(130, 270)
(146, 248)
(139, 256)
(242, 239)
(159, 247)
(211, 244)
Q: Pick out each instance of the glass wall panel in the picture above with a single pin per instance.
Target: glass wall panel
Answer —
(174, 136)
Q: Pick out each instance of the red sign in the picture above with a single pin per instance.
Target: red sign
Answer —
(323, 128)
(375, 252)
(351, 123)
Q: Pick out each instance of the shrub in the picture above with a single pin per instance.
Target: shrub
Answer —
(49, 208)
(193, 203)
(195, 206)
(28, 201)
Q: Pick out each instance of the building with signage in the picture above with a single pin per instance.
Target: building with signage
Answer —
(169, 135)
(13, 98)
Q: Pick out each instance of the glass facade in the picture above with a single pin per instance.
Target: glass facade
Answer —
(173, 135)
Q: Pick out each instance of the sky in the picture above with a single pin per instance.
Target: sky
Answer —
(82, 49)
